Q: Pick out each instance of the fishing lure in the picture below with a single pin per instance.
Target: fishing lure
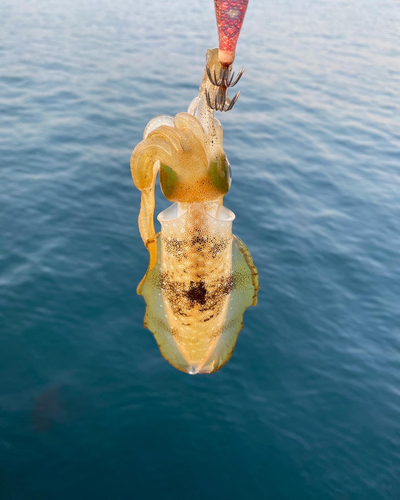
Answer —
(230, 15)
(201, 278)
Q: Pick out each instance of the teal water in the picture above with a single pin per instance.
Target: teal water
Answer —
(309, 405)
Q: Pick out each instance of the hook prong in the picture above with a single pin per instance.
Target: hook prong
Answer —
(233, 101)
(239, 76)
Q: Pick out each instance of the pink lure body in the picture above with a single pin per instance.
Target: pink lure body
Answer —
(230, 15)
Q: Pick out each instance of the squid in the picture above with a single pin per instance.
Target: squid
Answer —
(201, 278)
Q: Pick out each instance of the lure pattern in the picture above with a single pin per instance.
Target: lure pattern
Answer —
(230, 15)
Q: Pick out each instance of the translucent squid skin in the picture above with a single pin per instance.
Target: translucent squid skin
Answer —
(200, 278)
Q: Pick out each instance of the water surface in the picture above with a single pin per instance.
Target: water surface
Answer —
(309, 405)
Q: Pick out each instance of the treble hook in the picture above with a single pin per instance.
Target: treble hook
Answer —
(221, 100)
(223, 82)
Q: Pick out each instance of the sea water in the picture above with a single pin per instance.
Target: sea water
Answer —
(309, 405)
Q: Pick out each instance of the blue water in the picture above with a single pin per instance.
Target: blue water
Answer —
(309, 405)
